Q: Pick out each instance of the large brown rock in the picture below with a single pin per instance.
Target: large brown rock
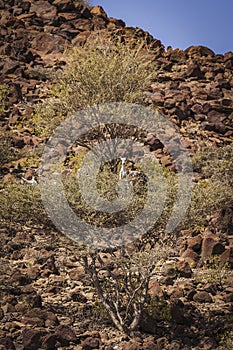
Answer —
(7, 343)
(64, 5)
(184, 269)
(227, 256)
(202, 297)
(195, 71)
(190, 256)
(43, 9)
(48, 43)
(31, 339)
(49, 342)
(65, 335)
(194, 243)
(211, 246)
(90, 343)
(98, 11)
(198, 51)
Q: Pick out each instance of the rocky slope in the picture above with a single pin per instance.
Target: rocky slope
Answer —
(46, 297)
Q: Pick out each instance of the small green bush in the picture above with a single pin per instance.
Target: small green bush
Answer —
(215, 190)
(159, 309)
(102, 71)
(4, 91)
(226, 342)
(21, 203)
(6, 152)
(107, 182)
(215, 271)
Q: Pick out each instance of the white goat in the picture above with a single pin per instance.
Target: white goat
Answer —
(123, 172)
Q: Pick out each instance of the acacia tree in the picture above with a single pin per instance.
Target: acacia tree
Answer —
(122, 282)
(103, 71)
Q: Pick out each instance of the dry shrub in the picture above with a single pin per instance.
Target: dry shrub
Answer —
(21, 203)
(215, 190)
(102, 71)
(4, 91)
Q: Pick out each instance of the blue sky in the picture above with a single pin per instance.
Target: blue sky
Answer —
(179, 23)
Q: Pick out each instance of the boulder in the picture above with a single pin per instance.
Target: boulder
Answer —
(65, 335)
(199, 51)
(202, 297)
(90, 343)
(211, 246)
(98, 11)
(31, 339)
(43, 9)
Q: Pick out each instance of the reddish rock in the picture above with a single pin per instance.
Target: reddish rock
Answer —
(64, 5)
(7, 343)
(215, 117)
(178, 56)
(116, 22)
(154, 289)
(211, 246)
(33, 321)
(20, 279)
(177, 313)
(50, 265)
(46, 316)
(154, 143)
(190, 256)
(194, 70)
(184, 269)
(194, 243)
(90, 343)
(34, 300)
(31, 339)
(65, 335)
(83, 24)
(10, 66)
(49, 342)
(43, 9)
(202, 297)
(98, 11)
(227, 256)
(48, 43)
(81, 38)
(195, 51)
(99, 23)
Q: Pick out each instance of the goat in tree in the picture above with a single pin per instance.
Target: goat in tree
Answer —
(123, 172)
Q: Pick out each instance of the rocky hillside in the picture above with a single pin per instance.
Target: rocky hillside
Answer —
(47, 300)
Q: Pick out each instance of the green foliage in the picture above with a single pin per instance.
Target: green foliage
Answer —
(216, 189)
(107, 185)
(216, 272)
(6, 152)
(159, 309)
(23, 158)
(226, 342)
(102, 71)
(4, 91)
(21, 203)
(208, 194)
(216, 164)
